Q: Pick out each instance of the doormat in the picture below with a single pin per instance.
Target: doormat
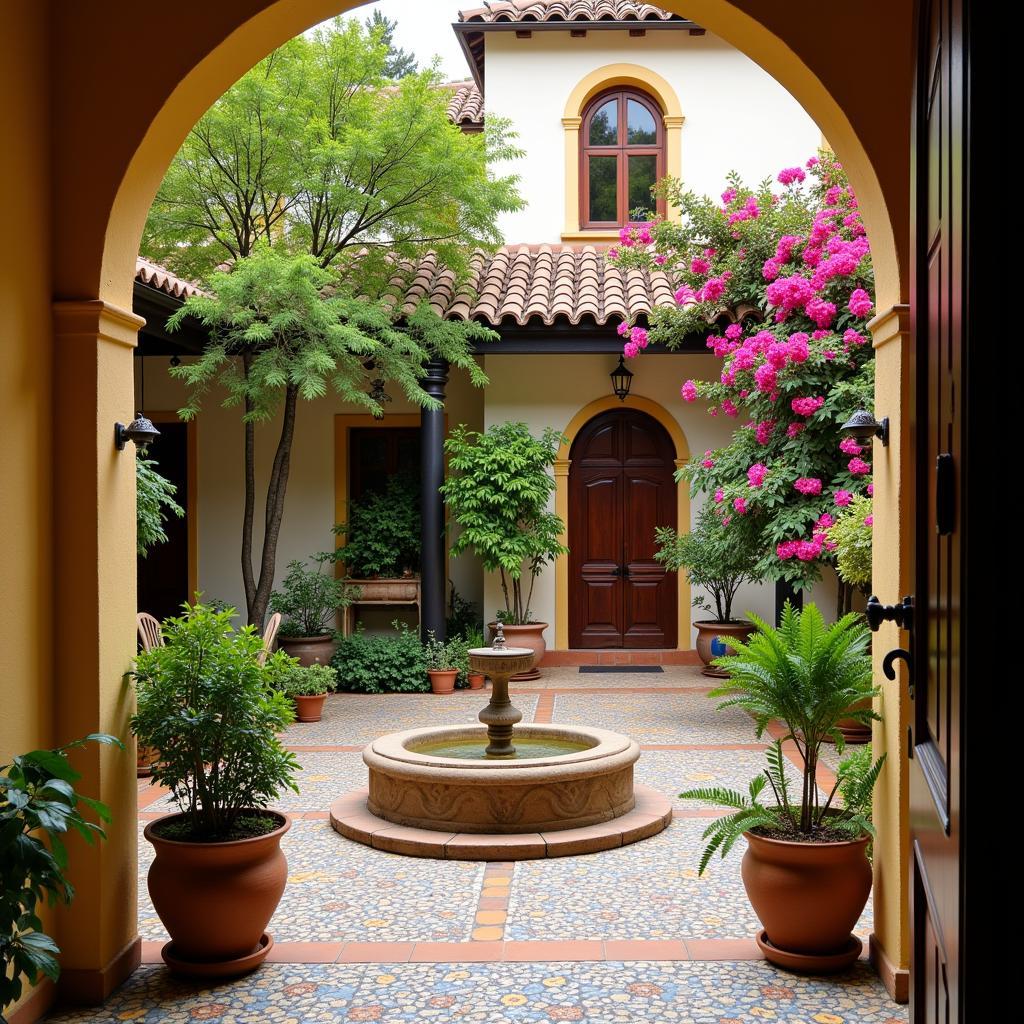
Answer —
(620, 668)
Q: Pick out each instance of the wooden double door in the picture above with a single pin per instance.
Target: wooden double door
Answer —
(621, 488)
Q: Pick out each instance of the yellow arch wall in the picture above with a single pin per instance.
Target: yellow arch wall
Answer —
(598, 80)
(562, 462)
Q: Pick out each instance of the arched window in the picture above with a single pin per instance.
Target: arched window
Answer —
(622, 154)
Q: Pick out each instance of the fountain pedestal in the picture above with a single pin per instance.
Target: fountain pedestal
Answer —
(500, 663)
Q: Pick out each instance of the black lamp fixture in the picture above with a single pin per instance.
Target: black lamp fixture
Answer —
(863, 426)
(621, 380)
(376, 392)
(140, 432)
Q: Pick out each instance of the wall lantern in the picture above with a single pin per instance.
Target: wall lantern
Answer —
(376, 392)
(621, 380)
(140, 432)
(863, 426)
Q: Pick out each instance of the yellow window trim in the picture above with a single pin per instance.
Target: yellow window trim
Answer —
(590, 85)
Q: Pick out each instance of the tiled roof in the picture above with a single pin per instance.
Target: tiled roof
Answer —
(163, 280)
(541, 284)
(517, 11)
(466, 108)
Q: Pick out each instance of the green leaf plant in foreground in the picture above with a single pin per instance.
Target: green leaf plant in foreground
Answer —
(38, 805)
(807, 676)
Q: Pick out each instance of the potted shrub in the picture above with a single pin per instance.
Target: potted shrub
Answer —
(718, 559)
(805, 870)
(498, 494)
(851, 535)
(309, 600)
(442, 664)
(38, 805)
(308, 686)
(385, 663)
(205, 704)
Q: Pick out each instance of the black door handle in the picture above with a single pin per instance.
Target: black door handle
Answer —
(902, 614)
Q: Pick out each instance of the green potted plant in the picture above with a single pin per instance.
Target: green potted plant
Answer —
(851, 535)
(307, 687)
(442, 664)
(805, 870)
(382, 534)
(498, 494)
(206, 706)
(385, 663)
(309, 600)
(718, 559)
(38, 805)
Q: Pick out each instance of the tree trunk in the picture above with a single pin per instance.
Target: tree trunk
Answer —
(248, 581)
(275, 509)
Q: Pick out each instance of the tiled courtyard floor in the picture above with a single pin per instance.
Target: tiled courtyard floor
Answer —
(630, 935)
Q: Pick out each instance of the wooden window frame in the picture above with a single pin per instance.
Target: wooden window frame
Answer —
(622, 151)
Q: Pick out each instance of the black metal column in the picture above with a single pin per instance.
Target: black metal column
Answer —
(432, 575)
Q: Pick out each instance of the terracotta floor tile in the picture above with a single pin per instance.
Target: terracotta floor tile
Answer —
(650, 949)
(305, 952)
(723, 949)
(493, 902)
(488, 933)
(531, 950)
(491, 917)
(376, 952)
(151, 952)
(410, 841)
(456, 952)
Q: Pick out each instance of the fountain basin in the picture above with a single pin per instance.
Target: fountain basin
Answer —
(413, 787)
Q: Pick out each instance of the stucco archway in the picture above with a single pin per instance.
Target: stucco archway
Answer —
(95, 147)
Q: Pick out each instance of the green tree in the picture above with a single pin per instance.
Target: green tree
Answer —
(498, 494)
(317, 150)
(399, 62)
(281, 329)
(154, 501)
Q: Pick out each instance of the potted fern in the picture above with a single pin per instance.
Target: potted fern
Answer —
(806, 869)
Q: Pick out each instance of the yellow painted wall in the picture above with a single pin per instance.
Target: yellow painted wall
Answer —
(26, 564)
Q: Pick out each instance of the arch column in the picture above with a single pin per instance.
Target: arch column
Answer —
(561, 467)
(94, 632)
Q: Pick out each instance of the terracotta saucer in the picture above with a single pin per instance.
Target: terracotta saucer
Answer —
(218, 968)
(809, 963)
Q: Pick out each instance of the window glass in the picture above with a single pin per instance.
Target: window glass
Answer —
(642, 175)
(640, 129)
(604, 125)
(603, 171)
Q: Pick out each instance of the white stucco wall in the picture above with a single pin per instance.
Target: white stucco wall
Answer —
(737, 116)
(547, 391)
(309, 503)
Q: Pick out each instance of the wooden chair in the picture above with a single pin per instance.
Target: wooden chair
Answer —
(150, 634)
(269, 636)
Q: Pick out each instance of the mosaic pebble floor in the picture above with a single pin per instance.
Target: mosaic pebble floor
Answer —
(343, 892)
(476, 993)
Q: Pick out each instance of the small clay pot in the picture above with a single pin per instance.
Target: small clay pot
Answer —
(216, 899)
(310, 650)
(476, 680)
(712, 642)
(443, 680)
(808, 897)
(530, 636)
(855, 732)
(309, 708)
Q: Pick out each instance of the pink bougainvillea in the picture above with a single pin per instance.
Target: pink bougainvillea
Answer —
(801, 255)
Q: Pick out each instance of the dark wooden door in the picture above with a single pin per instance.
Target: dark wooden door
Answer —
(621, 488)
(162, 575)
(939, 329)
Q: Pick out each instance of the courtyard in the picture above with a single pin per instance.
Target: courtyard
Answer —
(629, 935)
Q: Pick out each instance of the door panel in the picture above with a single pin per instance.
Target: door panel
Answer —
(621, 488)
(938, 343)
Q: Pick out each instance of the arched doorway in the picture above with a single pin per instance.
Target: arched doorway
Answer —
(621, 488)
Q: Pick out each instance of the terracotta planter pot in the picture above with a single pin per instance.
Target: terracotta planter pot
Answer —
(853, 731)
(310, 650)
(442, 680)
(808, 897)
(476, 680)
(712, 642)
(531, 636)
(309, 708)
(216, 899)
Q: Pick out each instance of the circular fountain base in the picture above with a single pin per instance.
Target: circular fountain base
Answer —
(575, 796)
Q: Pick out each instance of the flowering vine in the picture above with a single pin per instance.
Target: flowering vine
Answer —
(783, 273)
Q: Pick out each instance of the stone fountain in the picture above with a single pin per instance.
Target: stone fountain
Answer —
(513, 791)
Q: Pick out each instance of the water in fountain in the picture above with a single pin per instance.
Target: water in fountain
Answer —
(527, 747)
